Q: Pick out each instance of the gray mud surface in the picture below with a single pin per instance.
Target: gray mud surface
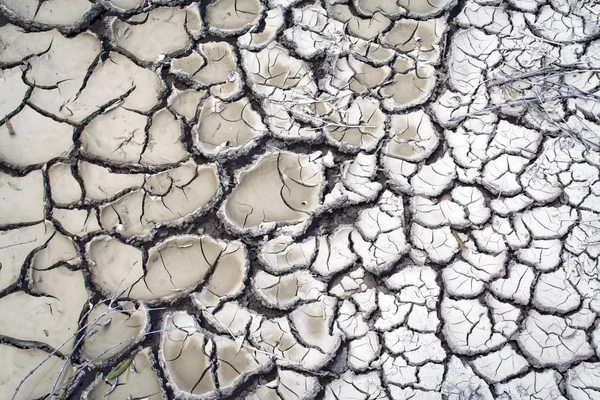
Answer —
(287, 199)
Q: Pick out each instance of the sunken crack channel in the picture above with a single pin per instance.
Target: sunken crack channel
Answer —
(292, 200)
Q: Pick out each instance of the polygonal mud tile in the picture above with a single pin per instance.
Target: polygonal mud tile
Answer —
(139, 379)
(278, 189)
(112, 328)
(52, 315)
(162, 32)
(52, 372)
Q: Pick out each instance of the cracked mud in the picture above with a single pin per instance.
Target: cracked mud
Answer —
(299, 199)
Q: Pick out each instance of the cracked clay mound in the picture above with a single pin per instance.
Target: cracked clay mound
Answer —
(300, 199)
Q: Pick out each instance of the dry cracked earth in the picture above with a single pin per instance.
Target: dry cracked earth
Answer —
(284, 199)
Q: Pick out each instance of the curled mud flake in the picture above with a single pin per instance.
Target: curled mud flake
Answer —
(555, 294)
(167, 198)
(76, 222)
(474, 203)
(273, 68)
(460, 382)
(283, 254)
(471, 52)
(547, 341)
(13, 88)
(258, 38)
(379, 238)
(334, 253)
(392, 310)
(117, 81)
(289, 385)
(412, 84)
(52, 316)
(112, 328)
(387, 8)
(227, 279)
(488, 18)
(582, 381)
(595, 334)
(542, 385)
(516, 140)
(279, 188)
(363, 351)
(64, 187)
(21, 362)
(416, 285)
(59, 249)
(418, 39)
(114, 266)
(360, 127)
(500, 175)
(186, 355)
(412, 138)
(416, 347)
(102, 184)
(583, 319)
(312, 324)
(358, 183)
(577, 25)
(462, 279)
(22, 198)
(16, 245)
(232, 17)
(162, 31)
(398, 392)
(225, 129)
(231, 319)
(350, 321)
(173, 268)
(163, 144)
(434, 178)
(213, 66)
(505, 206)
(356, 75)
(396, 370)
(429, 376)
(365, 386)
(500, 365)
(423, 319)
(516, 286)
(313, 33)
(122, 5)
(468, 328)
(432, 215)
(275, 337)
(375, 53)
(356, 284)
(138, 381)
(364, 28)
(67, 14)
(283, 292)
(131, 142)
(425, 9)
(549, 222)
(439, 243)
(186, 103)
(235, 365)
(584, 235)
(29, 138)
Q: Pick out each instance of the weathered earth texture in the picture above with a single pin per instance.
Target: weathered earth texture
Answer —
(284, 199)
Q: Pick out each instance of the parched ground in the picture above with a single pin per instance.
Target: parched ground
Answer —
(285, 199)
